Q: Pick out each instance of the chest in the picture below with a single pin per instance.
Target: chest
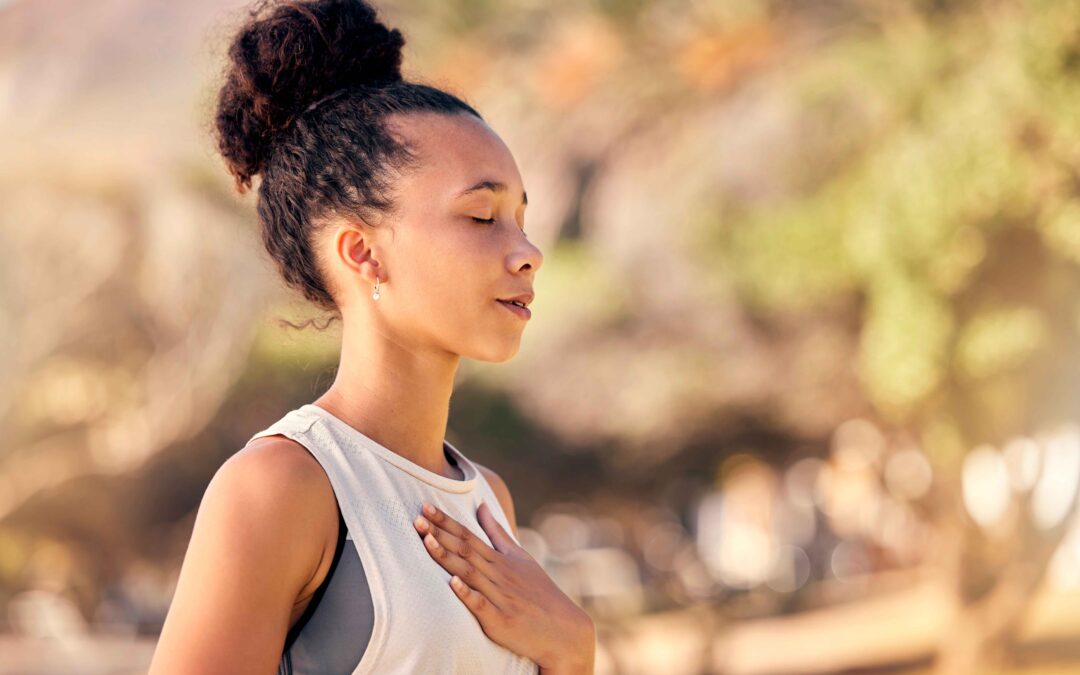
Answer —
(420, 624)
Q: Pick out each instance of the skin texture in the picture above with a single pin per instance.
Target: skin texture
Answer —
(253, 554)
(517, 604)
(440, 273)
(255, 558)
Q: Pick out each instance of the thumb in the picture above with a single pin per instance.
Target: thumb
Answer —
(500, 538)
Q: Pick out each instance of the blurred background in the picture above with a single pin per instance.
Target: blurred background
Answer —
(801, 391)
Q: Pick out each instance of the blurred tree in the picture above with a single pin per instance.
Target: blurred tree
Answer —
(760, 218)
(954, 223)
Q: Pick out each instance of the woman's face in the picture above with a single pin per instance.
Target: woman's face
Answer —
(442, 268)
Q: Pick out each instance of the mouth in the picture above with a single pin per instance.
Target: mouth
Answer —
(516, 307)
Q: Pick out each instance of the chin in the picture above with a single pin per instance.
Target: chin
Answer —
(499, 354)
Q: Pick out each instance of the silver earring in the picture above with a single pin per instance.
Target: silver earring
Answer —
(376, 293)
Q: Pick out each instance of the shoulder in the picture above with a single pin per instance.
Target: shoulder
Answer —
(274, 496)
(259, 539)
(498, 486)
(277, 476)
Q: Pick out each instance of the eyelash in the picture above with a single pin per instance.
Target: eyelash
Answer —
(491, 221)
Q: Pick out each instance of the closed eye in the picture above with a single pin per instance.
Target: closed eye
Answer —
(491, 221)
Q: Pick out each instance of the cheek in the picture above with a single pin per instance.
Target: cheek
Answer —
(448, 274)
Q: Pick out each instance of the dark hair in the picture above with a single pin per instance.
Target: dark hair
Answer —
(307, 91)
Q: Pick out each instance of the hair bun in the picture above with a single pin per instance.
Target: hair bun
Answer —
(289, 56)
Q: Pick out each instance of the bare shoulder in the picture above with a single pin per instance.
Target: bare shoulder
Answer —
(282, 479)
(277, 458)
(259, 541)
(285, 473)
(498, 486)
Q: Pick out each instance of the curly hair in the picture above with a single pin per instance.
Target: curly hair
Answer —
(307, 91)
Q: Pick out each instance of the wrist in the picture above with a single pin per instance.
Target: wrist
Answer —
(576, 657)
(581, 666)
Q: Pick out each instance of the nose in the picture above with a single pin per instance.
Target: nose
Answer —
(525, 256)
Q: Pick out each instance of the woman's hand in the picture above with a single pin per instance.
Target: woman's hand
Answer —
(517, 604)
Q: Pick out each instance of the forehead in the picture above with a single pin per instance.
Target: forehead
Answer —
(453, 152)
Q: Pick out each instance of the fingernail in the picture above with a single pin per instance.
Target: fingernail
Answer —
(455, 582)
(421, 522)
(429, 509)
(431, 543)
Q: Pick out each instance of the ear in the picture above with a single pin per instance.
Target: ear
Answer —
(354, 245)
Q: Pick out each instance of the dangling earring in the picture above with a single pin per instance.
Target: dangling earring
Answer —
(376, 293)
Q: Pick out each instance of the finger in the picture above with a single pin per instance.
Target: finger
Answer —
(445, 522)
(504, 543)
(464, 570)
(459, 547)
(485, 611)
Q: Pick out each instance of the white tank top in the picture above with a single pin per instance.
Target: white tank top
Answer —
(420, 624)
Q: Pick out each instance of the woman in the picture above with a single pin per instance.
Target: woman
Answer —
(393, 205)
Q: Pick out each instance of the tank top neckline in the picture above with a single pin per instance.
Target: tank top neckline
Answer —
(468, 484)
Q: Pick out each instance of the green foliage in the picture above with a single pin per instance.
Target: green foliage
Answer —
(995, 341)
(904, 343)
(963, 131)
(580, 288)
(794, 253)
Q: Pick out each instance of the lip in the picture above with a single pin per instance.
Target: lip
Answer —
(526, 298)
(523, 312)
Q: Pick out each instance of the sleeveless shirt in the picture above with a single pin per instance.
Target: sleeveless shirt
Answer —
(409, 620)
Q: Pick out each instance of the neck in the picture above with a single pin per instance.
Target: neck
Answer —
(396, 394)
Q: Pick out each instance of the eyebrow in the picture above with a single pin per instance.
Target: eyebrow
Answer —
(494, 186)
